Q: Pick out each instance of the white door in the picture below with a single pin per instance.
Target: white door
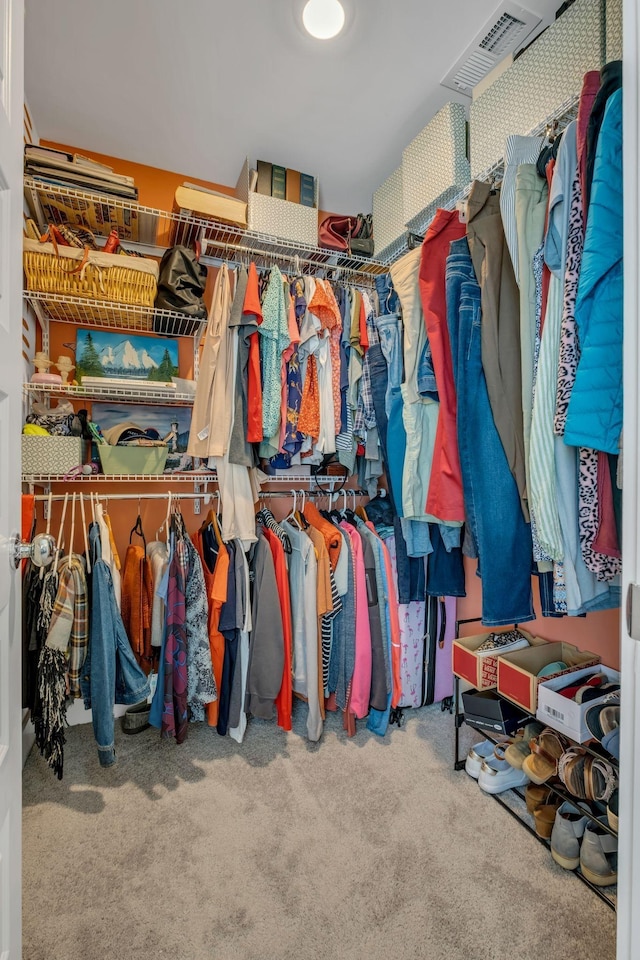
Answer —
(11, 140)
(629, 839)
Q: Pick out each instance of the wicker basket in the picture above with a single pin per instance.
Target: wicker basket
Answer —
(105, 276)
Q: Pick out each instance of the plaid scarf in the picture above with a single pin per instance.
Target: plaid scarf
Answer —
(67, 639)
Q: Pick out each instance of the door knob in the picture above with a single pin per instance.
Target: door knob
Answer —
(41, 550)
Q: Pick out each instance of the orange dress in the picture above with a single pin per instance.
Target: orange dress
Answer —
(284, 699)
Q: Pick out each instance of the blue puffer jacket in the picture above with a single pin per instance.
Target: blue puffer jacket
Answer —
(594, 417)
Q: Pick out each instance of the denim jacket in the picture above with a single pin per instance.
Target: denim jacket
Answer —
(110, 673)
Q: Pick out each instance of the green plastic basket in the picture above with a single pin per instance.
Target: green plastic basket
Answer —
(132, 460)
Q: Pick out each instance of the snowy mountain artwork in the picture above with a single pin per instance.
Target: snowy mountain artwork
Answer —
(101, 353)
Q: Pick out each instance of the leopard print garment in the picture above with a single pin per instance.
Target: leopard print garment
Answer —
(569, 344)
(201, 684)
(605, 568)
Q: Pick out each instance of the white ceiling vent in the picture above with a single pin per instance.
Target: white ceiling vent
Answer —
(504, 33)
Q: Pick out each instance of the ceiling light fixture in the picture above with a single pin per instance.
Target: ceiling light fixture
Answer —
(323, 19)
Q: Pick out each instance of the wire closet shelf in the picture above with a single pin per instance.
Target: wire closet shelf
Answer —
(151, 231)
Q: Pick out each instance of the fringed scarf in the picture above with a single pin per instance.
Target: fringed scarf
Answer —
(67, 640)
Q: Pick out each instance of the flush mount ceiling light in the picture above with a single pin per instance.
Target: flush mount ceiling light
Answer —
(323, 19)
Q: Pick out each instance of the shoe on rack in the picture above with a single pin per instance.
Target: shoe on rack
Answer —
(516, 752)
(604, 718)
(478, 753)
(599, 855)
(544, 818)
(536, 795)
(542, 762)
(568, 830)
(612, 811)
(496, 776)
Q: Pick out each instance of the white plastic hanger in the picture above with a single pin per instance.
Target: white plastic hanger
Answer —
(84, 533)
(61, 532)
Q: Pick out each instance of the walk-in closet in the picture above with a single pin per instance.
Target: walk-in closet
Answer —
(319, 479)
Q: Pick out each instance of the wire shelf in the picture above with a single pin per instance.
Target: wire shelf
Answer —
(111, 392)
(112, 316)
(151, 231)
(203, 477)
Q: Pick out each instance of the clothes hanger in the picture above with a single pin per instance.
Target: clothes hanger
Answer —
(48, 528)
(61, 532)
(84, 533)
(73, 526)
(138, 531)
(293, 516)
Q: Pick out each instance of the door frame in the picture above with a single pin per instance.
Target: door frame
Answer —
(629, 837)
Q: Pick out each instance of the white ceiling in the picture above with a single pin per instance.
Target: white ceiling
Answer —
(196, 86)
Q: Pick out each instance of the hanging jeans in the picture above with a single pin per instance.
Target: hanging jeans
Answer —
(110, 673)
(492, 501)
(411, 571)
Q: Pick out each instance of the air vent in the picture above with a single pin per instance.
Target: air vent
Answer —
(504, 33)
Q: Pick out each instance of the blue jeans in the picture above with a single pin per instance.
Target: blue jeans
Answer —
(492, 501)
(411, 573)
(110, 673)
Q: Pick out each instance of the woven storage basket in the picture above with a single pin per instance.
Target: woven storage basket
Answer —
(105, 276)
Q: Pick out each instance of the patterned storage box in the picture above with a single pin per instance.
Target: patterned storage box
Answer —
(538, 82)
(435, 161)
(278, 218)
(51, 455)
(388, 215)
(614, 30)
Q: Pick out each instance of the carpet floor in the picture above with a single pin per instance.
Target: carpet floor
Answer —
(279, 849)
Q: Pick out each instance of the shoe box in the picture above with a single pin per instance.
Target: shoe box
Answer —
(564, 715)
(486, 711)
(518, 678)
(481, 671)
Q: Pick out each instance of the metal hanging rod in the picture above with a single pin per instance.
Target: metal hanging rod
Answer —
(267, 495)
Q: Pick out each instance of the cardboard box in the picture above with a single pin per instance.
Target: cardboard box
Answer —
(480, 671)
(567, 716)
(486, 711)
(518, 678)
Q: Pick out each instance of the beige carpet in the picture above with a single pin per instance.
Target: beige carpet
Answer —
(361, 849)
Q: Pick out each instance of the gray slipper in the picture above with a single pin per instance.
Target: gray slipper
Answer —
(136, 718)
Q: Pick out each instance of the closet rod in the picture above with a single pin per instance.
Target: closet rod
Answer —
(268, 494)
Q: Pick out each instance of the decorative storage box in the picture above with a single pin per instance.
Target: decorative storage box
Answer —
(614, 30)
(132, 460)
(518, 678)
(564, 715)
(547, 74)
(480, 672)
(278, 218)
(105, 276)
(52, 455)
(435, 164)
(388, 215)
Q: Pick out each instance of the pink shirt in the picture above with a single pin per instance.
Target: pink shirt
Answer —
(394, 619)
(361, 681)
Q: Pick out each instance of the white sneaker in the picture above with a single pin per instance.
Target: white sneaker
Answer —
(498, 775)
(478, 753)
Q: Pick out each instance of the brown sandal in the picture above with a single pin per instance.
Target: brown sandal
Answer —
(546, 750)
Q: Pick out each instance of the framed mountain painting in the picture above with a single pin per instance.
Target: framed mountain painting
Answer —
(125, 356)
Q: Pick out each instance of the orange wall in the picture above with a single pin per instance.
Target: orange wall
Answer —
(156, 187)
(598, 632)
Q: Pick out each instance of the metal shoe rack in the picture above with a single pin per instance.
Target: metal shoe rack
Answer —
(518, 813)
